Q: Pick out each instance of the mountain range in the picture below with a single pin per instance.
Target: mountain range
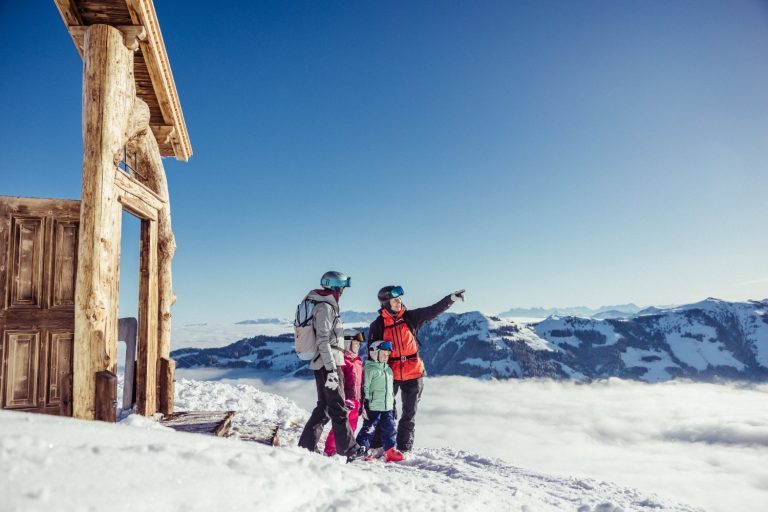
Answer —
(709, 340)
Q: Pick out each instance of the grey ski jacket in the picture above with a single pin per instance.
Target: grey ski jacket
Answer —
(329, 333)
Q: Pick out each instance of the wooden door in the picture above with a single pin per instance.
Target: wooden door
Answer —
(38, 264)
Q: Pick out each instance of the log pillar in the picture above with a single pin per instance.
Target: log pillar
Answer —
(150, 162)
(108, 97)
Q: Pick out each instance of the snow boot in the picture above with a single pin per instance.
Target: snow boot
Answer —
(393, 455)
(361, 451)
(374, 453)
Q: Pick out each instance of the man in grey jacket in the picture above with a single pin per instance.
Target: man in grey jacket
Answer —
(329, 333)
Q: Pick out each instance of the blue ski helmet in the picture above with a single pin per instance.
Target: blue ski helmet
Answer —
(333, 280)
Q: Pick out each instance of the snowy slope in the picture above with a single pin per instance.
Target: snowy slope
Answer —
(62, 464)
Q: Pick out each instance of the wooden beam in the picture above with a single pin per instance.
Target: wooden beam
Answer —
(153, 48)
(132, 34)
(108, 98)
(71, 16)
(139, 190)
(137, 207)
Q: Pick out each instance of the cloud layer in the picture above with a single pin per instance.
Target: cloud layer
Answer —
(702, 444)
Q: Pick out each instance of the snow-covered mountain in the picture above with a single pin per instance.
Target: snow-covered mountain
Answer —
(583, 311)
(702, 341)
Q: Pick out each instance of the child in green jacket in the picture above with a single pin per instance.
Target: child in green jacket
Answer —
(379, 401)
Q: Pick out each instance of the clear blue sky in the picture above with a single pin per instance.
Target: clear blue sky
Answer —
(537, 154)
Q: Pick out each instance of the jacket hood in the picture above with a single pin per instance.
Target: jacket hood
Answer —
(324, 296)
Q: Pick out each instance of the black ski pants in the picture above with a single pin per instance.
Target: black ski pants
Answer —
(330, 406)
(410, 395)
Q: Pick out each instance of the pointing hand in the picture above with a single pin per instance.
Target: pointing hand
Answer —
(458, 295)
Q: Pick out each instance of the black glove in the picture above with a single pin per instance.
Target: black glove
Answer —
(364, 411)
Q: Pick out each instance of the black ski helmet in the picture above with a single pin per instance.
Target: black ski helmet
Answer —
(390, 292)
(337, 281)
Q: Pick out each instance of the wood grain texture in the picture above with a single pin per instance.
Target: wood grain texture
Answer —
(36, 313)
(108, 99)
(165, 385)
(105, 397)
(146, 361)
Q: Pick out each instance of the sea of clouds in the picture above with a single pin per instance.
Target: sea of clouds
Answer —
(702, 444)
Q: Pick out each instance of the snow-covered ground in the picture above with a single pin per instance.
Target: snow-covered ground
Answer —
(61, 464)
(702, 444)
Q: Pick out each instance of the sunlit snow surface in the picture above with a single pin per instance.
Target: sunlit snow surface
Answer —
(62, 464)
(702, 444)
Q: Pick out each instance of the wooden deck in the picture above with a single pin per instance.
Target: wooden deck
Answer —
(214, 423)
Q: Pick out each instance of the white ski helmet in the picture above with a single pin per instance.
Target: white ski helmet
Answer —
(376, 346)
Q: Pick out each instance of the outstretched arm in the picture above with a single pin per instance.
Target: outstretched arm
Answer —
(420, 316)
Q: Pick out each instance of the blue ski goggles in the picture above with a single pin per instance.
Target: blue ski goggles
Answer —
(336, 283)
(386, 345)
(396, 292)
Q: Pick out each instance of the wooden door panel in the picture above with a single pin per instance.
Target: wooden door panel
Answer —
(59, 364)
(22, 368)
(27, 262)
(62, 278)
(38, 266)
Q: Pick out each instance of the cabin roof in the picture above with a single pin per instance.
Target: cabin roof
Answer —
(152, 70)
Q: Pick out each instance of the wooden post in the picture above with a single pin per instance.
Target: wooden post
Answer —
(151, 164)
(65, 405)
(105, 397)
(146, 362)
(166, 385)
(108, 97)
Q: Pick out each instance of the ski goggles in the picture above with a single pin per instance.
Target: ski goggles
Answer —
(357, 337)
(385, 345)
(336, 283)
(396, 292)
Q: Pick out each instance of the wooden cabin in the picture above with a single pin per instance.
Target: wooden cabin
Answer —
(60, 259)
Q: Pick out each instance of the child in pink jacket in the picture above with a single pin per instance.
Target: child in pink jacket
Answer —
(353, 382)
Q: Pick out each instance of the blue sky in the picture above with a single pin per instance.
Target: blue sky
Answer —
(537, 154)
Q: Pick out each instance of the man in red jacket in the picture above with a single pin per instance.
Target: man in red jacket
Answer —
(400, 325)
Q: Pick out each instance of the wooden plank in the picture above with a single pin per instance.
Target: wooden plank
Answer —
(223, 428)
(26, 261)
(64, 264)
(105, 398)
(264, 433)
(108, 98)
(216, 423)
(140, 191)
(23, 356)
(165, 385)
(137, 207)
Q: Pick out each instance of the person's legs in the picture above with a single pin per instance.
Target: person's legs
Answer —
(319, 417)
(366, 433)
(388, 430)
(334, 402)
(354, 415)
(410, 396)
